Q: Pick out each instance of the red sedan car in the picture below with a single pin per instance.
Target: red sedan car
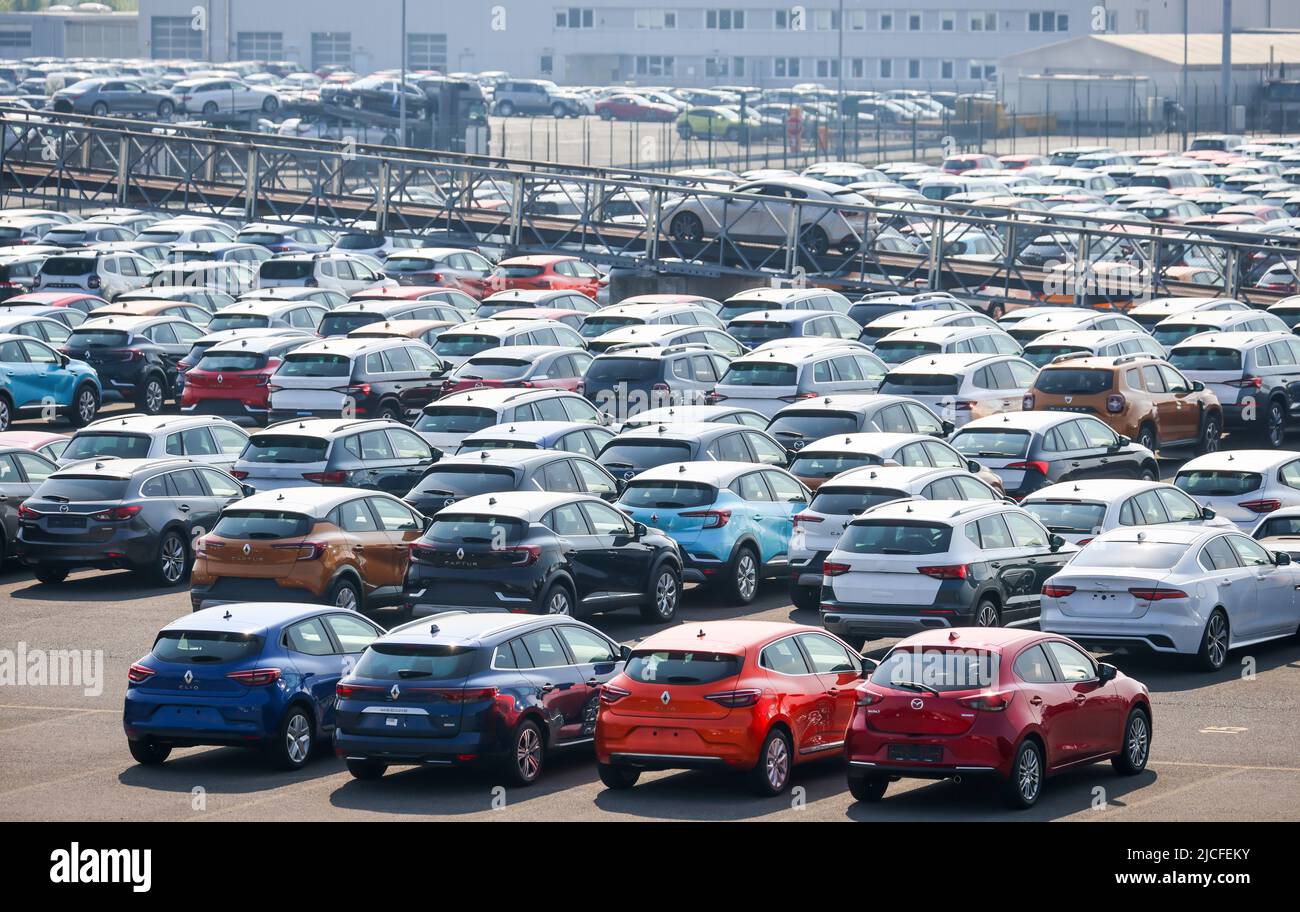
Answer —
(1016, 704)
(628, 106)
(541, 272)
(752, 696)
(76, 300)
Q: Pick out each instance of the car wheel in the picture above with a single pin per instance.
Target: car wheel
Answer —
(684, 131)
(686, 227)
(771, 775)
(606, 115)
(986, 615)
(210, 107)
(367, 770)
(149, 753)
(527, 754)
(1214, 642)
(506, 109)
(814, 241)
(270, 104)
(1274, 427)
(742, 576)
(6, 414)
(663, 595)
(1147, 437)
(171, 563)
(292, 746)
(731, 135)
(345, 594)
(1150, 473)
(559, 110)
(99, 109)
(1211, 430)
(50, 576)
(1024, 786)
(84, 406)
(390, 411)
(868, 788)
(1133, 753)
(557, 601)
(805, 598)
(618, 777)
(166, 108)
(152, 396)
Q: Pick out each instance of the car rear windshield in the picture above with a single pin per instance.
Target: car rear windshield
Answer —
(94, 443)
(937, 669)
(1171, 334)
(207, 647)
(231, 361)
(66, 236)
(733, 309)
(615, 370)
(680, 667)
(518, 272)
(315, 364)
(238, 321)
(465, 480)
(453, 345)
(996, 444)
(492, 369)
(1038, 355)
(81, 489)
(255, 524)
(454, 419)
(97, 338)
(813, 425)
(1206, 358)
(359, 241)
(407, 264)
(340, 324)
(1279, 527)
(896, 351)
(920, 384)
(851, 501)
(476, 529)
(758, 373)
(284, 448)
(1064, 516)
(825, 465)
(1141, 555)
(668, 495)
(159, 237)
(1074, 380)
(595, 326)
(895, 537)
(755, 333)
(644, 453)
(399, 661)
(1207, 483)
(264, 238)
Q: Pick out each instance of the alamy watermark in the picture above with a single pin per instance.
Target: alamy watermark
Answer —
(25, 666)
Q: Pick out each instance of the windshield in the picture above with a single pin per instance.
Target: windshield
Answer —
(896, 351)
(595, 326)
(1213, 483)
(680, 667)
(231, 361)
(460, 344)
(466, 480)
(1039, 355)
(193, 647)
(492, 369)
(1067, 517)
(644, 453)
(340, 324)
(1074, 380)
(759, 373)
(1279, 527)
(937, 669)
(993, 443)
(614, 370)
(1170, 334)
(814, 425)
(1205, 358)
(852, 501)
(454, 419)
(125, 446)
(315, 364)
(67, 266)
(825, 465)
(757, 332)
(388, 661)
(238, 321)
(476, 529)
(97, 338)
(668, 495)
(259, 524)
(408, 264)
(732, 309)
(895, 537)
(284, 448)
(920, 384)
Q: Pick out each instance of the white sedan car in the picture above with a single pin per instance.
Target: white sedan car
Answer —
(1079, 511)
(1182, 590)
(223, 96)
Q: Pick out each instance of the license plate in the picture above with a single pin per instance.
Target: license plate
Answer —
(915, 753)
(67, 522)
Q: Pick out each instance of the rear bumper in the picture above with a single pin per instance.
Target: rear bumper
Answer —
(235, 410)
(733, 741)
(188, 722)
(124, 549)
(489, 591)
(807, 571)
(873, 621)
(465, 747)
(227, 590)
(1169, 634)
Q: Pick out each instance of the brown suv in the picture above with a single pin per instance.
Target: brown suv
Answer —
(1138, 396)
(344, 546)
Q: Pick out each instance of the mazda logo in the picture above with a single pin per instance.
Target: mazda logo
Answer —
(449, 501)
(248, 549)
(460, 554)
(63, 508)
(189, 677)
(629, 475)
(665, 697)
(918, 704)
(395, 692)
(798, 445)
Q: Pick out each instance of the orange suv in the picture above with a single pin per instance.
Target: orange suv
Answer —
(1138, 396)
(342, 546)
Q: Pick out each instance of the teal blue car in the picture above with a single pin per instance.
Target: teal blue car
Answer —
(37, 380)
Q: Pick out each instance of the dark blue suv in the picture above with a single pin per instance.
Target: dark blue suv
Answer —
(468, 689)
(250, 674)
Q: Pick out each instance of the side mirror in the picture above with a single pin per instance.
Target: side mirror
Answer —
(948, 427)
(1198, 386)
(869, 664)
(1207, 513)
(1106, 672)
(639, 530)
(248, 490)
(625, 652)
(973, 466)
(1281, 559)
(1055, 542)
(1122, 441)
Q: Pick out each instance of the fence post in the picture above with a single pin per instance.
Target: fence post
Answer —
(936, 253)
(652, 226)
(381, 196)
(516, 211)
(792, 239)
(250, 183)
(123, 168)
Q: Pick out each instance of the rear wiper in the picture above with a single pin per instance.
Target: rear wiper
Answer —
(682, 679)
(412, 673)
(670, 504)
(913, 685)
(195, 660)
(894, 551)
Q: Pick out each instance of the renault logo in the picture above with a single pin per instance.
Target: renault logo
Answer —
(1069, 399)
(221, 378)
(189, 677)
(918, 704)
(665, 697)
(248, 549)
(460, 554)
(395, 692)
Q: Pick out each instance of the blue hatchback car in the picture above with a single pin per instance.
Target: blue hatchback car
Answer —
(249, 674)
(34, 377)
(731, 520)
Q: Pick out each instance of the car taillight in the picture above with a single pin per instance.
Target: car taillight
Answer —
(713, 398)
(964, 405)
(116, 514)
(524, 555)
(830, 568)
(348, 691)
(807, 518)
(1027, 404)
(1115, 403)
(991, 701)
(137, 673)
(306, 550)
(734, 699)
(361, 389)
(1261, 506)
(1157, 595)
(256, 677)
(26, 512)
(1246, 383)
(1036, 464)
(238, 473)
(659, 388)
(611, 694)
(1052, 591)
(333, 477)
(422, 555)
(1083, 541)
(867, 697)
(945, 571)
(713, 519)
(798, 398)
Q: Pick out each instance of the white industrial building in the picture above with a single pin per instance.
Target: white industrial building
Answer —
(69, 33)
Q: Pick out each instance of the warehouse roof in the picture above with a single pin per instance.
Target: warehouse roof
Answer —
(1203, 50)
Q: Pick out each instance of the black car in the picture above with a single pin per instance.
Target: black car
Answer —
(495, 470)
(138, 514)
(627, 382)
(137, 357)
(1030, 450)
(543, 553)
(634, 451)
(879, 303)
(473, 689)
(21, 471)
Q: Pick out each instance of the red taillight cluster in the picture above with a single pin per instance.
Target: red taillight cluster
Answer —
(1246, 383)
(26, 512)
(308, 550)
(138, 673)
(256, 677)
(1156, 595)
(239, 473)
(1261, 506)
(868, 697)
(945, 571)
(807, 519)
(333, 477)
(990, 701)
(830, 568)
(116, 514)
(735, 699)
(713, 519)
(1053, 591)
(524, 555)
(611, 694)
(1036, 464)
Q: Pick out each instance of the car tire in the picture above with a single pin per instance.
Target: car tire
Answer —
(50, 576)
(294, 741)
(559, 111)
(986, 614)
(171, 563)
(684, 131)
(390, 411)
(1135, 749)
(367, 770)
(805, 598)
(557, 600)
(1147, 437)
(527, 755)
(618, 778)
(147, 752)
(6, 413)
(687, 228)
(270, 104)
(731, 135)
(1213, 652)
(771, 774)
(1273, 428)
(85, 405)
(346, 594)
(665, 592)
(606, 115)
(166, 108)
(1211, 431)
(1025, 784)
(868, 788)
(814, 241)
(210, 107)
(741, 584)
(152, 396)
(506, 109)
(99, 109)
(1150, 473)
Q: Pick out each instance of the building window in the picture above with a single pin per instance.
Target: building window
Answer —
(1112, 21)
(574, 18)
(786, 67)
(654, 65)
(16, 39)
(1048, 21)
(858, 68)
(886, 69)
(174, 37)
(331, 49)
(426, 51)
(984, 22)
(725, 19)
(546, 66)
(855, 20)
(656, 19)
(948, 22)
(981, 70)
(886, 22)
(826, 20)
(913, 22)
(259, 45)
(913, 69)
(1143, 20)
(724, 66)
(946, 69)
(828, 68)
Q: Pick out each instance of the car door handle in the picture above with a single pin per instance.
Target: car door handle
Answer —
(592, 682)
(1035, 700)
(547, 687)
(1080, 698)
(995, 564)
(1227, 582)
(184, 508)
(833, 692)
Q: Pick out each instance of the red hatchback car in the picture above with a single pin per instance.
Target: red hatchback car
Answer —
(752, 696)
(1019, 705)
(232, 379)
(547, 272)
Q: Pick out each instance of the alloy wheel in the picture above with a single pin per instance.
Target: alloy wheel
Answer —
(345, 598)
(559, 603)
(777, 763)
(1029, 775)
(1217, 640)
(746, 576)
(666, 594)
(173, 558)
(1137, 741)
(988, 616)
(528, 753)
(86, 406)
(297, 738)
(153, 397)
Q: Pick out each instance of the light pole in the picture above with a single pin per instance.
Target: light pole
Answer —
(1184, 100)
(839, 73)
(401, 86)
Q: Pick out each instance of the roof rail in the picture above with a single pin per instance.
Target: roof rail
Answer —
(422, 621)
(1129, 359)
(109, 418)
(1072, 356)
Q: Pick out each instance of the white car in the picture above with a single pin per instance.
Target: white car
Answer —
(1243, 485)
(963, 387)
(1081, 510)
(223, 95)
(918, 319)
(1105, 343)
(1175, 590)
(206, 439)
(903, 345)
(768, 380)
(1150, 313)
(342, 272)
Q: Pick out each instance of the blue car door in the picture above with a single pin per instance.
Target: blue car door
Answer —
(352, 635)
(318, 665)
(19, 374)
(788, 498)
(53, 381)
(769, 524)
